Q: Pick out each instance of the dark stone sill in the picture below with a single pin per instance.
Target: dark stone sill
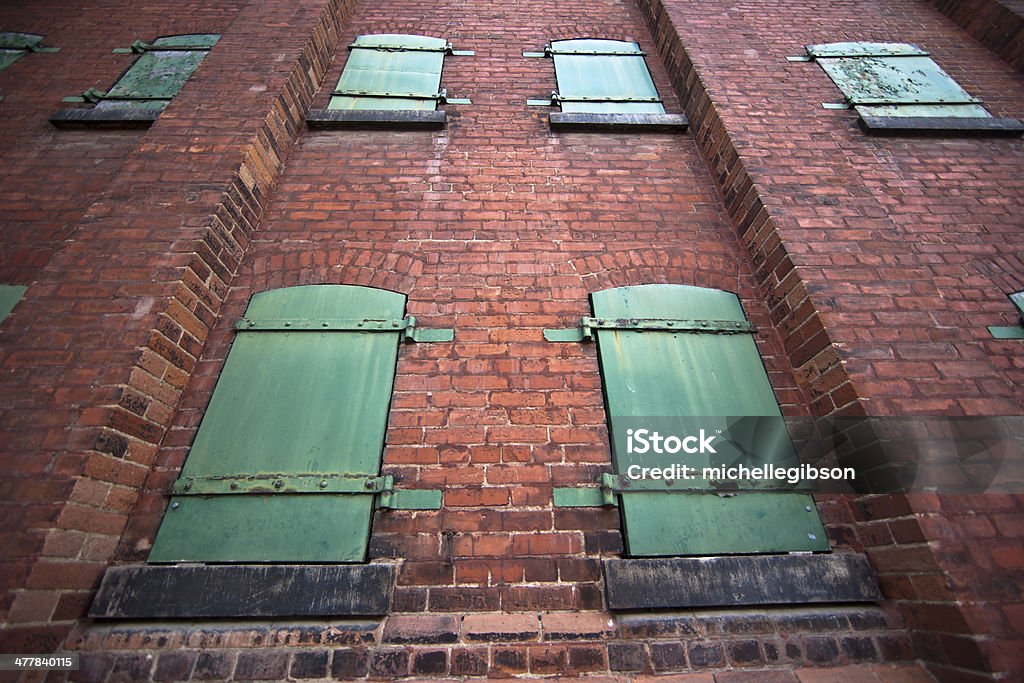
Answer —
(734, 581)
(942, 125)
(126, 117)
(232, 591)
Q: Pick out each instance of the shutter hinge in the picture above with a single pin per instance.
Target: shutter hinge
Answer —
(265, 483)
(613, 485)
(94, 96)
(441, 96)
(269, 484)
(585, 332)
(406, 326)
(140, 47)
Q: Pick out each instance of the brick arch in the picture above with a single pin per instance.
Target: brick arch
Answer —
(585, 30)
(308, 265)
(654, 266)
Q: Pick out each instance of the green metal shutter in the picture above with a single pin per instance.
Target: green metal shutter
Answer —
(291, 443)
(603, 76)
(656, 377)
(894, 79)
(14, 45)
(157, 76)
(10, 295)
(391, 72)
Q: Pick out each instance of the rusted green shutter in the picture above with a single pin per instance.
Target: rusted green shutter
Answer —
(603, 76)
(10, 295)
(704, 377)
(160, 72)
(894, 79)
(284, 465)
(390, 71)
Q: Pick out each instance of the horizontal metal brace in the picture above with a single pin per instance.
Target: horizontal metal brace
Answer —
(139, 47)
(555, 97)
(264, 484)
(540, 103)
(406, 326)
(399, 95)
(280, 483)
(617, 483)
(93, 96)
(835, 105)
(799, 58)
(447, 49)
(535, 54)
(437, 97)
(901, 103)
(1006, 332)
(613, 485)
(617, 53)
(887, 55)
(587, 325)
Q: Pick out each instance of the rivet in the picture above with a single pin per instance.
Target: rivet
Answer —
(807, 507)
(278, 484)
(670, 324)
(234, 486)
(369, 485)
(323, 324)
(323, 483)
(812, 537)
(394, 323)
(175, 506)
(187, 485)
(287, 324)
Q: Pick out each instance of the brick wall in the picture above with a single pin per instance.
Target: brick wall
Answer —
(884, 261)
(498, 228)
(870, 266)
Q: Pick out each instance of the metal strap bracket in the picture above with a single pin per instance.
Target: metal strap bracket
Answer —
(585, 332)
(94, 96)
(280, 483)
(441, 96)
(447, 49)
(263, 484)
(139, 47)
(556, 98)
(613, 485)
(406, 326)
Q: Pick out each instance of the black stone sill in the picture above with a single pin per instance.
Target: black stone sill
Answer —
(942, 125)
(127, 117)
(375, 119)
(586, 122)
(232, 591)
(733, 581)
